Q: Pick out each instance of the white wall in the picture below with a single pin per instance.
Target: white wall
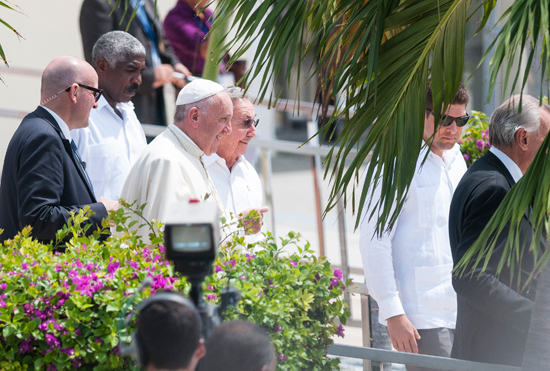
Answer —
(50, 29)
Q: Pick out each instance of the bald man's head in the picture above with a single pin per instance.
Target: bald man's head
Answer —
(68, 85)
(62, 72)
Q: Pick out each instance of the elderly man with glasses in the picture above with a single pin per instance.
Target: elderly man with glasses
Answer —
(43, 178)
(408, 269)
(235, 178)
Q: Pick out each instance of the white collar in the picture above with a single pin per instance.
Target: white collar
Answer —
(62, 125)
(511, 166)
(209, 160)
(187, 142)
(102, 102)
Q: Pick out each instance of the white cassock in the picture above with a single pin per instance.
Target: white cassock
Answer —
(169, 170)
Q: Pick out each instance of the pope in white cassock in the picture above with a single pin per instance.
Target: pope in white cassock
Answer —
(171, 169)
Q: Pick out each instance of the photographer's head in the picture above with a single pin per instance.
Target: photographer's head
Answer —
(169, 336)
(239, 346)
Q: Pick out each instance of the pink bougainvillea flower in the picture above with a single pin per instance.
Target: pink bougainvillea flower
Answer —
(340, 331)
(112, 267)
(25, 346)
(282, 357)
(52, 341)
(77, 363)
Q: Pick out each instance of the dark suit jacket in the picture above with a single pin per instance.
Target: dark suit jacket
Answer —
(95, 21)
(42, 180)
(493, 319)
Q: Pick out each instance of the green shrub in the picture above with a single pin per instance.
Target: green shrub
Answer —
(61, 310)
(475, 139)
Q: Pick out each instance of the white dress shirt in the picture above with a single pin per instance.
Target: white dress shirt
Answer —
(408, 270)
(510, 165)
(62, 125)
(109, 146)
(169, 170)
(239, 189)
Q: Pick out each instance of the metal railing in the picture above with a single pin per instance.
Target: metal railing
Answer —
(418, 360)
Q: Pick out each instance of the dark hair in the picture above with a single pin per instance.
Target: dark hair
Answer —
(237, 346)
(461, 97)
(168, 334)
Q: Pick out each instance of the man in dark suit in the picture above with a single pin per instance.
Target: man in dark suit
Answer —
(96, 19)
(493, 315)
(43, 178)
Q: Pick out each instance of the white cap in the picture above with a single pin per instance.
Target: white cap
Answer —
(197, 90)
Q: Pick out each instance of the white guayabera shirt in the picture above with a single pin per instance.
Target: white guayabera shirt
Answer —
(109, 146)
(408, 270)
(239, 189)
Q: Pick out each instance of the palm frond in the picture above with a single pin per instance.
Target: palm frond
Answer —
(391, 111)
(378, 56)
(526, 27)
(6, 4)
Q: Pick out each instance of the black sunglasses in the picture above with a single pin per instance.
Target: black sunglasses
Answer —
(97, 92)
(248, 123)
(447, 120)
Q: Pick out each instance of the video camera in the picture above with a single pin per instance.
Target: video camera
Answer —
(192, 235)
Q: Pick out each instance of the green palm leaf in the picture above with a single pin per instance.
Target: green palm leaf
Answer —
(383, 82)
(6, 4)
(393, 115)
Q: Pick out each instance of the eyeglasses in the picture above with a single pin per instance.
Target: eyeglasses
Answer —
(96, 92)
(447, 120)
(248, 123)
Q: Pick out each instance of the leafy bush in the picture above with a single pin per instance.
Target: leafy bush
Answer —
(61, 310)
(475, 139)
(296, 298)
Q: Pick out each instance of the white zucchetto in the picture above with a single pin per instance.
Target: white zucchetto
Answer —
(197, 90)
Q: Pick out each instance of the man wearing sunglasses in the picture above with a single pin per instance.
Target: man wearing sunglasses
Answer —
(236, 180)
(114, 139)
(408, 270)
(43, 178)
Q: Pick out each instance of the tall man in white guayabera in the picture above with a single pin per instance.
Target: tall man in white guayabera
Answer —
(408, 270)
(114, 139)
(493, 315)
